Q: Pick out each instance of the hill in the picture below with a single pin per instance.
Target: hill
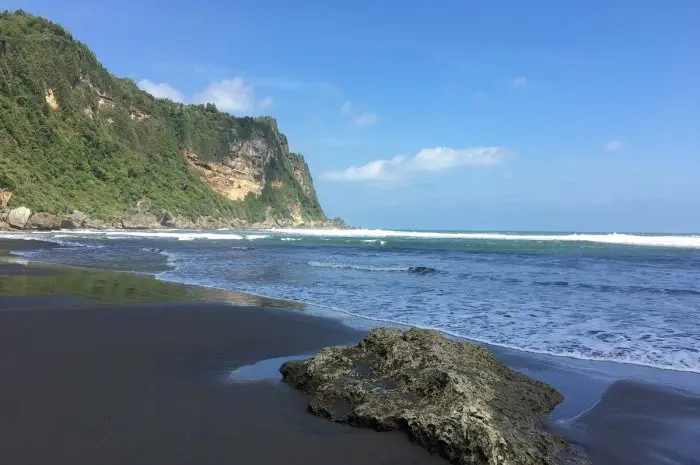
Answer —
(73, 137)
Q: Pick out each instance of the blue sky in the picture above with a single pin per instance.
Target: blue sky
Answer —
(508, 115)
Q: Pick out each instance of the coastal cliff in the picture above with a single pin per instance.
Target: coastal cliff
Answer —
(88, 149)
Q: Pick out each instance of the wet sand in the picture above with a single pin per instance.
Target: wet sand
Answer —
(149, 384)
(126, 369)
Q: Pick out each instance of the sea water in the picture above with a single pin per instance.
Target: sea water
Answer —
(625, 298)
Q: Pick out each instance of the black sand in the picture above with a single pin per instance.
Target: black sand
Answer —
(148, 385)
(145, 381)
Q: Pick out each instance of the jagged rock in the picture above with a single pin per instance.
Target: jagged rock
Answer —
(4, 226)
(43, 221)
(167, 219)
(141, 221)
(453, 398)
(18, 217)
(76, 220)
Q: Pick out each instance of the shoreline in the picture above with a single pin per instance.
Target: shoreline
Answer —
(365, 322)
(613, 410)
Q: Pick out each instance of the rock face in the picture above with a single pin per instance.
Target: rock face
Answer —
(234, 180)
(198, 163)
(43, 221)
(5, 197)
(19, 217)
(453, 398)
(76, 220)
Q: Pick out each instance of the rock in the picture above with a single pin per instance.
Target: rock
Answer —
(76, 220)
(453, 398)
(141, 221)
(43, 221)
(18, 217)
(167, 219)
(421, 269)
(5, 197)
(4, 226)
(92, 223)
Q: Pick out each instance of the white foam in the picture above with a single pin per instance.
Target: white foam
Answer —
(252, 237)
(318, 264)
(612, 238)
(290, 238)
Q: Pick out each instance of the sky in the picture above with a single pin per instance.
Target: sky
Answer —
(450, 115)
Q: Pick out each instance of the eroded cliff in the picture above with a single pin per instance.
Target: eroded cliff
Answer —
(74, 137)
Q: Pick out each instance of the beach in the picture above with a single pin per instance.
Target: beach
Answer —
(133, 370)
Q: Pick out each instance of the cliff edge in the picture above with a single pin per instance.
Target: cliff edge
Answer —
(79, 143)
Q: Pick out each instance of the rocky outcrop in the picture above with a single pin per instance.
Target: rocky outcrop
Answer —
(43, 221)
(76, 220)
(18, 217)
(141, 221)
(453, 398)
(5, 197)
(233, 179)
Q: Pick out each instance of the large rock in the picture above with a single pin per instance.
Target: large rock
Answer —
(43, 221)
(76, 220)
(94, 223)
(18, 217)
(453, 398)
(141, 221)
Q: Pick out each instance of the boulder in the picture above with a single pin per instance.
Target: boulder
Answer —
(76, 220)
(18, 217)
(43, 221)
(93, 223)
(141, 221)
(4, 226)
(453, 398)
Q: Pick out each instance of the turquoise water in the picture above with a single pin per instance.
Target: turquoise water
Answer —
(626, 298)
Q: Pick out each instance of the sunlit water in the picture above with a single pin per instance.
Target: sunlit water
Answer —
(616, 297)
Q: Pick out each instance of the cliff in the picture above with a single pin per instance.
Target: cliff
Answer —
(73, 137)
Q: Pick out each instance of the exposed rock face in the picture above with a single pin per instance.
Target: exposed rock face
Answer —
(19, 217)
(43, 221)
(5, 197)
(233, 179)
(51, 99)
(453, 398)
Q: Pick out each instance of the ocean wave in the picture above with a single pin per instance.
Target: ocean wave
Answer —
(252, 237)
(410, 269)
(290, 238)
(612, 238)
(357, 267)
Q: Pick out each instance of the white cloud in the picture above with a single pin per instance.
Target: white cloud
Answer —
(266, 103)
(364, 120)
(346, 108)
(161, 90)
(613, 145)
(231, 95)
(518, 82)
(427, 160)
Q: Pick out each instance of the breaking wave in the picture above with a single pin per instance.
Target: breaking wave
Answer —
(688, 241)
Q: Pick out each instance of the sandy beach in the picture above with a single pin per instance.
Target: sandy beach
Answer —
(119, 376)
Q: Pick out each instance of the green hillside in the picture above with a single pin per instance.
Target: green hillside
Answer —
(73, 136)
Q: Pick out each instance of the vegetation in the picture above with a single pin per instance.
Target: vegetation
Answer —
(72, 136)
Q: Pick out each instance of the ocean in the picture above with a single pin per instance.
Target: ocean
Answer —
(624, 298)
